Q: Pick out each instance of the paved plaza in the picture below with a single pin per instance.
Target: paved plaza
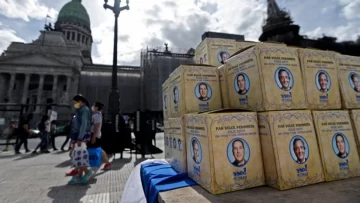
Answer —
(41, 178)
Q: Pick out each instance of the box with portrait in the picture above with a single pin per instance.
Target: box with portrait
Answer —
(215, 51)
(355, 121)
(290, 150)
(167, 151)
(319, 69)
(165, 96)
(265, 77)
(178, 144)
(337, 144)
(194, 88)
(348, 71)
(223, 151)
(224, 87)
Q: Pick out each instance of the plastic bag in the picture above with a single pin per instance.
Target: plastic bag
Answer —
(80, 156)
(95, 157)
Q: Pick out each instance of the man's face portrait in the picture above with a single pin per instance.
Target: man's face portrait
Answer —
(196, 151)
(176, 95)
(238, 151)
(174, 143)
(284, 79)
(223, 56)
(355, 80)
(323, 81)
(203, 90)
(340, 144)
(241, 83)
(299, 150)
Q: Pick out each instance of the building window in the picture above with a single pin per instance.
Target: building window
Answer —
(64, 88)
(73, 36)
(78, 38)
(83, 39)
(68, 35)
(14, 88)
(87, 39)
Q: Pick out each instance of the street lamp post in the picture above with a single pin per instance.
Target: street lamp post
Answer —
(114, 98)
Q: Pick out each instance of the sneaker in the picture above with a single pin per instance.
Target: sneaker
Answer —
(34, 152)
(107, 166)
(74, 180)
(73, 172)
(27, 151)
(17, 152)
(87, 176)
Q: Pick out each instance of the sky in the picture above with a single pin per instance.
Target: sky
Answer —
(179, 23)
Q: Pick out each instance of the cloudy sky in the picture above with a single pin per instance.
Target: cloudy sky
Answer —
(179, 23)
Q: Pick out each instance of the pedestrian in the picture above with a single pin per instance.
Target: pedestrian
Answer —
(67, 132)
(44, 128)
(9, 133)
(23, 133)
(53, 134)
(80, 134)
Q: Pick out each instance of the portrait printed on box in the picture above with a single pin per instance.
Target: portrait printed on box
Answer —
(223, 56)
(196, 152)
(170, 142)
(205, 58)
(175, 95)
(299, 149)
(284, 79)
(340, 145)
(242, 83)
(323, 81)
(238, 152)
(354, 82)
(166, 141)
(174, 143)
(203, 91)
(179, 145)
(165, 102)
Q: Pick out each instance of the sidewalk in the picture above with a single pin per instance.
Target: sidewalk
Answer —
(41, 178)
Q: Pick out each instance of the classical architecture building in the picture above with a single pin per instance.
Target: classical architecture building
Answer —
(280, 27)
(58, 65)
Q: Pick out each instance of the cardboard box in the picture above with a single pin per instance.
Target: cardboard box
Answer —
(224, 87)
(319, 70)
(214, 51)
(167, 149)
(194, 88)
(265, 77)
(355, 121)
(178, 144)
(337, 144)
(166, 93)
(348, 71)
(223, 151)
(290, 149)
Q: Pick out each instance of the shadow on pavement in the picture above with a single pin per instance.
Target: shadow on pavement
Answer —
(116, 164)
(68, 193)
(8, 156)
(64, 164)
(27, 156)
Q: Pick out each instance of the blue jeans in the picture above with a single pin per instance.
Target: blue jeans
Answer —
(44, 141)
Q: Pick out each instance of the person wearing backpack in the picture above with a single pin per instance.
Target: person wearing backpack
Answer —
(44, 128)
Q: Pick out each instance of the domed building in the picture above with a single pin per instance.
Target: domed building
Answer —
(58, 65)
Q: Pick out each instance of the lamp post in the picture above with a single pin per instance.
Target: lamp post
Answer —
(114, 98)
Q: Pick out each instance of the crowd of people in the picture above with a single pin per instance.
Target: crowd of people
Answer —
(83, 132)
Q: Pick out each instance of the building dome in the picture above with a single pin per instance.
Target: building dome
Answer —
(75, 12)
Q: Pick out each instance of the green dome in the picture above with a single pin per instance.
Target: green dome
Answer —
(74, 11)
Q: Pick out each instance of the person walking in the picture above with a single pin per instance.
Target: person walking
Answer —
(44, 128)
(53, 134)
(80, 134)
(23, 133)
(67, 131)
(9, 133)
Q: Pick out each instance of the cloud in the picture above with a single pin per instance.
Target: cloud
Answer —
(26, 9)
(350, 31)
(351, 9)
(8, 36)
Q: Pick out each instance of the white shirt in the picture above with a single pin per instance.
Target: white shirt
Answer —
(96, 119)
(47, 126)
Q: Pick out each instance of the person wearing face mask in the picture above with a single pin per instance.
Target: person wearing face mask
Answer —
(80, 134)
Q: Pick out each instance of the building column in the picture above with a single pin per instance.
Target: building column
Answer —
(11, 86)
(75, 86)
(26, 88)
(54, 88)
(39, 93)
